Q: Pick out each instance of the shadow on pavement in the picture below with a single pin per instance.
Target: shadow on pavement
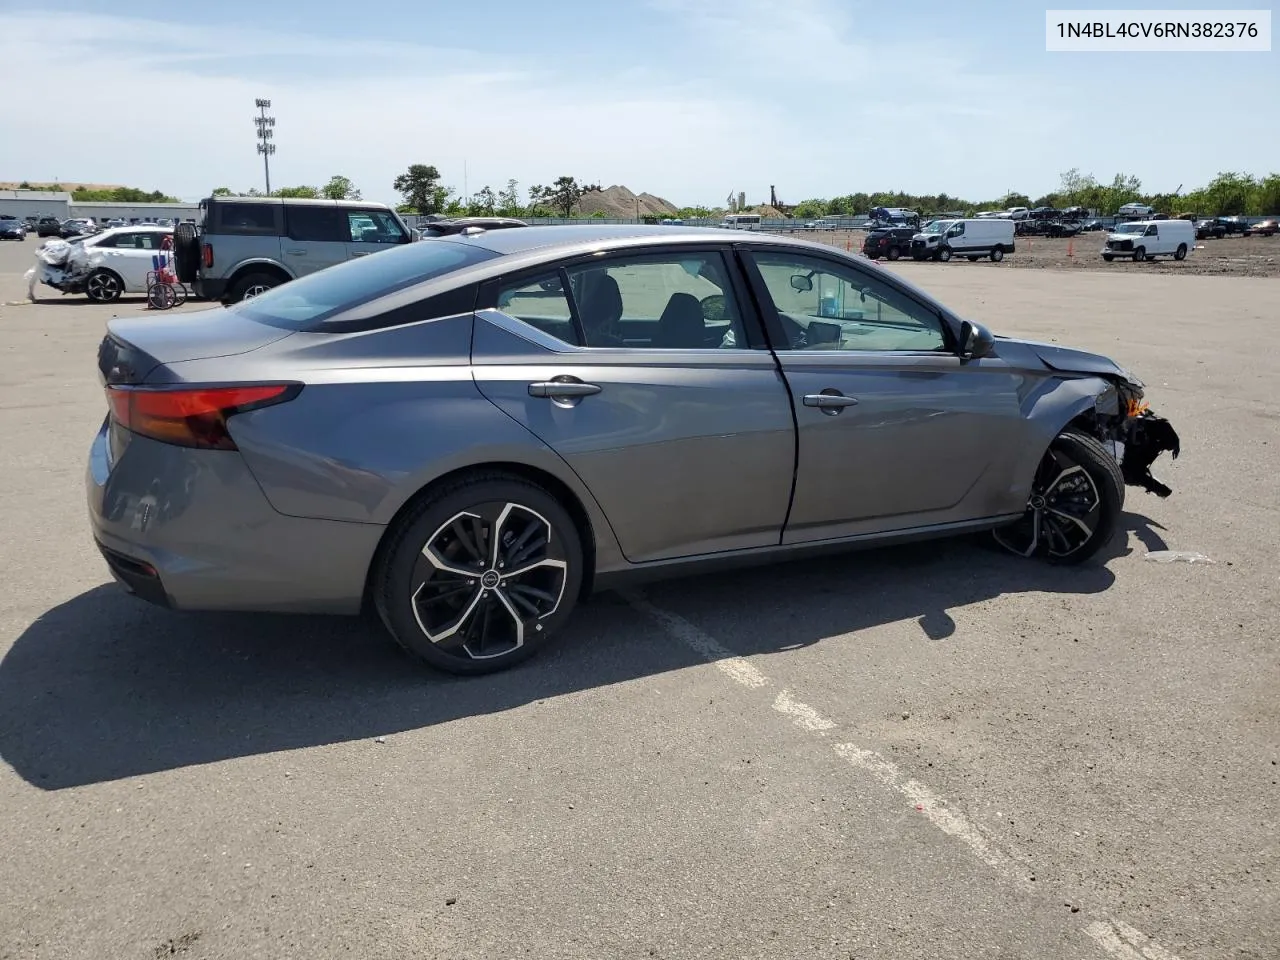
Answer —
(105, 686)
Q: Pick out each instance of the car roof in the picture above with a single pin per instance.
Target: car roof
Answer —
(561, 239)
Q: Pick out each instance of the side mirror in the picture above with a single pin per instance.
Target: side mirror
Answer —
(801, 282)
(976, 340)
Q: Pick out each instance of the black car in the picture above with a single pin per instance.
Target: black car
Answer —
(1210, 230)
(1062, 228)
(450, 227)
(1092, 226)
(1044, 213)
(11, 228)
(890, 242)
(48, 227)
(1233, 224)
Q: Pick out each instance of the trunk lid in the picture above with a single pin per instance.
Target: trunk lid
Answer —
(135, 347)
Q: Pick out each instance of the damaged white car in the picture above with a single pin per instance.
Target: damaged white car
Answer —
(102, 266)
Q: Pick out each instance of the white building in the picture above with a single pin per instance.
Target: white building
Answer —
(135, 211)
(35, 203)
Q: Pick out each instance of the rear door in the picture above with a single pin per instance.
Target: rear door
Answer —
(371, 230)
(315, 237)
(894, 430)
(648, 374)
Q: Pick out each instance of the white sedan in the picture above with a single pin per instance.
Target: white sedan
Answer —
(105, 265)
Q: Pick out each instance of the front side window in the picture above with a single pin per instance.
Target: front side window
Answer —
(823, 305)
(374, 226)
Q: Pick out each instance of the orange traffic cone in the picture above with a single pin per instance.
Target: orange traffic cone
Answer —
(848, 245)
(1071, 248)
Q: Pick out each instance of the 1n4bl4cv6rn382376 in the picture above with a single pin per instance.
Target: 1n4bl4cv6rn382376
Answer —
(470, 434)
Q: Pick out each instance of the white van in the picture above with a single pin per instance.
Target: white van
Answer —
(974, 238)
(1146, 239)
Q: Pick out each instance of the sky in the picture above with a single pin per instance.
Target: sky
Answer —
(687, 99)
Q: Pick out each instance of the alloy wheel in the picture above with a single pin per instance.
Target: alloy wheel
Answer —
(487, 578)
(103, 287)
(1063, 511)
(256, 290)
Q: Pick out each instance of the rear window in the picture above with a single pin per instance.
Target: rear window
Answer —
(306, 303)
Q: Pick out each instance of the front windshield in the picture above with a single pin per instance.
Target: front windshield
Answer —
(938, 226)
(1129, 228)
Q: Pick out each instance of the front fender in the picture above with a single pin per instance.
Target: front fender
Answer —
(1048, 408)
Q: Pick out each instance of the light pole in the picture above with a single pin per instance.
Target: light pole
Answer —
(266, 131)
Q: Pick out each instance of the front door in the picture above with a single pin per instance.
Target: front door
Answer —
(315, 237)
(649, 377)
(894, 430)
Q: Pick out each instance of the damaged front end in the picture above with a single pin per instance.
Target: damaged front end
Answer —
(1125, 423)
(61, 265)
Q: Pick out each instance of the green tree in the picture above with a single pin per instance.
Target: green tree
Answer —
(509, 200)
(1267, 196)
(421, 188)
(1229, 194)
(562, 196)
(340, 188)
(483, 202)
(810, 209)
(298, 193)
(222, 192)
(24, 185)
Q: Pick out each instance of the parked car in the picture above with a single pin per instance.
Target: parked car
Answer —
(1210, 230)
(1091, 226)
(475, 433)
(1264, 228)
(444, 228)
(114, 223)
(1136, 210)
(1044, 213)
(78, 227)
(1234, 224)
(1061, 228)
(244, 246)
(103, 265)
(1016, 213)
(1075, 213)
(11, 228)
(32, 222)
(971, 239)
(1148, 239)
(888, 242)
(48, 227)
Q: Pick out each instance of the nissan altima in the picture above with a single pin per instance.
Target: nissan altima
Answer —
(470, 435)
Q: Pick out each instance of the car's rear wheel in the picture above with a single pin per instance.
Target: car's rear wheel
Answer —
(103, 286)
(251, 285)
(1076, 499)
(1181, 252)
(997, 254)
(479, 575)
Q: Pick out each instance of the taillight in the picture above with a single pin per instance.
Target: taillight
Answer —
(207, 250)
(191, 417)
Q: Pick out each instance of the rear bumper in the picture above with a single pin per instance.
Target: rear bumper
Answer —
(192, 530)
(208, 289)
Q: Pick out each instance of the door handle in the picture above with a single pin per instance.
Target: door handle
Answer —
(562, 389)
(829, 401)
(364, 254)
(296, 253)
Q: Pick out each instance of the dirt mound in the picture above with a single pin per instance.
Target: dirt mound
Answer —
(618, 201)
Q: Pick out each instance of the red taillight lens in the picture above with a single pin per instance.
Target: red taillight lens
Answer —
(207, 250)
(195, 417)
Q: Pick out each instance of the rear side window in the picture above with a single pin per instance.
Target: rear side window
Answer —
(307, 303)
(319, 222)
(247, 219)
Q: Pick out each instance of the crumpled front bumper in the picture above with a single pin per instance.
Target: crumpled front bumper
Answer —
(1145, 436)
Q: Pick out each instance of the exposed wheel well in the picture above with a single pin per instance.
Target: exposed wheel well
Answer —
(248, 268)
(549, 482)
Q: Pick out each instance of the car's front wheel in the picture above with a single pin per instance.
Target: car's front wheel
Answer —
(479, 574)
(103, 286)
(1076, 499)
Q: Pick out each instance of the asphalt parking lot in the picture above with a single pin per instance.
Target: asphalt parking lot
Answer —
(933, 751)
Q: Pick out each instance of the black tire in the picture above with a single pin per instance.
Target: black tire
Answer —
(103, 286)
(186, 252)
(997, 254)
(894, 253)
(1108, 257)
(476, 606)
(251, 284)
(1077, 497)
(1181, 252)
(1139, 254)
(943, 254)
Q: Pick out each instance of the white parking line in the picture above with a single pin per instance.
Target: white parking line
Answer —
(1116, 938)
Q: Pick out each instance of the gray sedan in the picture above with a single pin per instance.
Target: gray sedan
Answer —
(471, 434)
